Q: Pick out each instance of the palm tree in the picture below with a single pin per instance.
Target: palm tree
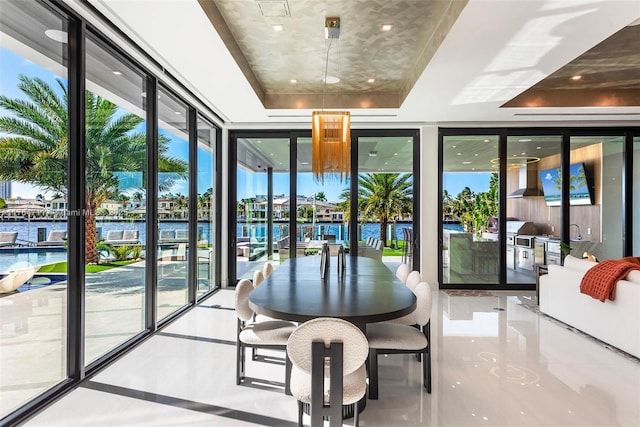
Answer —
(383, 196)
(36, 149)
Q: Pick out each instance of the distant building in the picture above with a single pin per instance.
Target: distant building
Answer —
(5, 189)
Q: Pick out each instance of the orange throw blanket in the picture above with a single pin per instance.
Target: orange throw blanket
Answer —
(600, 280)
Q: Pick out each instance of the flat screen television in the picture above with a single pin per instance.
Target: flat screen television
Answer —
(579, 186)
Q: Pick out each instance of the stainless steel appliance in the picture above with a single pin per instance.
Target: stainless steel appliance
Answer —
(553, 255)
(525, 252)
(520, 245)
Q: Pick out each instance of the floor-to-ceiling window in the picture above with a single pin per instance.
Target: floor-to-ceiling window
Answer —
(385, 194)
(255, 157)
(321, 212)
(533, 203)
(266, 212)
(547, 211)
(173, 202)
(116, 151)
(33, 197)
(595, 196)
(74, 131)
(207, 196)
(470, 233)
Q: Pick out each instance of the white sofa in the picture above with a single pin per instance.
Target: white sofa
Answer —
(614, 322)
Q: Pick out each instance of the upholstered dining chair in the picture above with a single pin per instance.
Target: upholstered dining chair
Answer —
(393, 338)
(269, 334)
(328, 357)
(267, 269)
(413, 279)
(402, 272)
(258, 277)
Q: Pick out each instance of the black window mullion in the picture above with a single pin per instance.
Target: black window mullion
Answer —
(151, 278)
(192, 265)
(76, 201)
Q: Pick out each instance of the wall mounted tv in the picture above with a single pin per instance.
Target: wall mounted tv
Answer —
(579, 186)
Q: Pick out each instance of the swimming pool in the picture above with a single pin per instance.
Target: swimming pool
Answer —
(33, 256)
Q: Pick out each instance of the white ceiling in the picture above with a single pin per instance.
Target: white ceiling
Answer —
(494, 51)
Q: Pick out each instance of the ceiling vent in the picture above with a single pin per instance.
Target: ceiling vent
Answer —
(274, 8)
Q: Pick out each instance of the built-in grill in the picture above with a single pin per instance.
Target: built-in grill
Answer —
(520, 237)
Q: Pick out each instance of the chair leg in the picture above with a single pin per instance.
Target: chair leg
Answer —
(356, 415)
(238, 367)
(426, 371)
(299, 414)
(241, 363)
(373, 374)
(287, 374)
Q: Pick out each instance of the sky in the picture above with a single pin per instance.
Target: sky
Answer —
(455, 182)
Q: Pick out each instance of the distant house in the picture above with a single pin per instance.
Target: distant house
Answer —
(114, 207)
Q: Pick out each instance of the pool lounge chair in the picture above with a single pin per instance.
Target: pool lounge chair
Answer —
(122, 237)
(55, 238)
(8, 238)
(16, 278)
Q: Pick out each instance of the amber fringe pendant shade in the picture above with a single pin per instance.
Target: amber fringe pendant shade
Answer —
(330, 145)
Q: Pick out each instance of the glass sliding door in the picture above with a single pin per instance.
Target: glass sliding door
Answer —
(116, 151)
(595, 196)
(321, 212)
(206, 206)
(33, 199)
(533, 204)
(385, 197)
(262, 201)
(173, 203)
(470, 234)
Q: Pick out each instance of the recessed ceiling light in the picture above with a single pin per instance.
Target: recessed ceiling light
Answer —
(459, 154)
(486, 140)
(371, 80)
(466, 163)
(178, 112)
(293, 81)
(304, 163)
(117, 73)
(524, 154)
(575, 78)
(453, 146)
(259, 141)
(524, 140)
(395, 154)
(475, 155)
(538, 148)
(331, 80)
(57, 35)
(386, 27)
(278, 27)
(373, 153)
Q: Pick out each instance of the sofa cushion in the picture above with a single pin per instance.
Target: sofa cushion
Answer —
(578, 264)
(633, 276)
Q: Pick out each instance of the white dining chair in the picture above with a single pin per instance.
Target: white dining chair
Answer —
(328, 357)
(393, 338)
(267, 269)
(413, 279)
(258, 277)
(270, 334)
(402, 272)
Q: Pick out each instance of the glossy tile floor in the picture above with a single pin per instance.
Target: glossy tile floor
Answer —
(495, 363)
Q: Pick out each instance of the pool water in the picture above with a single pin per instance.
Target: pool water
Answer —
(36, 258)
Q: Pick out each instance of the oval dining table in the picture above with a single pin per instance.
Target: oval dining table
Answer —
(366, 292)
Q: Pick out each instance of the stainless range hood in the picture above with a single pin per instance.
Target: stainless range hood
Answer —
(528, 182)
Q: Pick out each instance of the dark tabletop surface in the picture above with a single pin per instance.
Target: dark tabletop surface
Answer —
(367, 292)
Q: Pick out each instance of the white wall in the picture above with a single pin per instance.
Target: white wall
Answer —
(429, 203)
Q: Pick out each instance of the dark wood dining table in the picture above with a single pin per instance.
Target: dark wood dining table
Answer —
(366, 292)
